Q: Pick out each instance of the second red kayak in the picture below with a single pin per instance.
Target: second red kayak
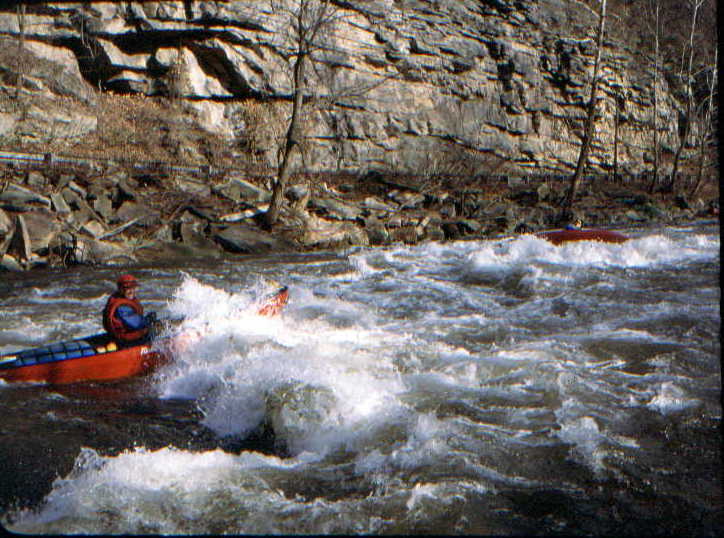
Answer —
(562, 236)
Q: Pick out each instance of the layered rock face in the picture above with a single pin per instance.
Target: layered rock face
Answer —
(433, 86)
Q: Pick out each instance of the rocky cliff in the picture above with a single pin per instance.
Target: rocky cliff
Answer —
(433, 86)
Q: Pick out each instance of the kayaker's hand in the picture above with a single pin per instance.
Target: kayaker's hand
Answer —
(151, 318)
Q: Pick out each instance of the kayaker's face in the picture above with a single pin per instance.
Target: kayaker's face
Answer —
(129, 293)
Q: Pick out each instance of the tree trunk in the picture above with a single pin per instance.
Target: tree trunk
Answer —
(291, 143)
(20, 12)
(689, 98)
(590, 116)
(706, 126)
(655, 179)
(616, 121)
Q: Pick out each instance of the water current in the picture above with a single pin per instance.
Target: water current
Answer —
(476, 387)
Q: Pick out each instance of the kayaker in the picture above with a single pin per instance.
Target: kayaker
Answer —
(123, 314)
(575, 225)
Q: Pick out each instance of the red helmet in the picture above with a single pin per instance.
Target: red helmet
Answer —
(127, 281)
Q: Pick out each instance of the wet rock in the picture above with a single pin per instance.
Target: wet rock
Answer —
(237, 189)
(191, 231)
(193, 187)
(20, 244)
(42, 229)
(161, 251)
(451, 230)
(544, 191)
(469, 225)
(407, 200)
(296, 193)
(93, 251)
(377, 233)
(375, 204)
(126, 189)
(8, 263)
(36, 180)
(404, 234)
(246, 214)
(143, 214)
(247, 240)
(82, 212)
(93, 228)
(322, 233)
(335, 209)
(103, 205)
(80, 191)
(15, 194)
(59, 204)
(6, 224)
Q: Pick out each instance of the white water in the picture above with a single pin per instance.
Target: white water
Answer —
(409, 385)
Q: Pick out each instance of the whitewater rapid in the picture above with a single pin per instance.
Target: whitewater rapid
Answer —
(411, 388)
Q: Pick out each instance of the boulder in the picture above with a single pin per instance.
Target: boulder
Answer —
(15, 194)
(8, 263)
(247, 240)
(163, 251)
(191, 231)
(127, 188)
(59, 203)
(141, 213)
(322, 233)
(246, 214)
(103, 205)
(6, 224)
(433, 232)
(375, 204)
(93, 228)
(335, 209)
(82, 212)
(36, 180)
(42, 229)
(194, 187)
(377, 233)
(20, 244)
(404, 234)
(407, 200)
(237, 190)
(93, 251)
(296, 193)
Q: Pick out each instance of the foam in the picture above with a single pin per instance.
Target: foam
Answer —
(316, 381)
(670, 398)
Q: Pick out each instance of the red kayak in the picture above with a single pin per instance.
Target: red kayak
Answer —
(98, 357)
(561, 236)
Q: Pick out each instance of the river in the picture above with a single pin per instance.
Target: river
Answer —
(474, 387)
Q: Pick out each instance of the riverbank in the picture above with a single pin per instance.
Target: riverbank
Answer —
(53, 217)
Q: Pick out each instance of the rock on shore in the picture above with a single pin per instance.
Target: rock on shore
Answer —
(52, 217)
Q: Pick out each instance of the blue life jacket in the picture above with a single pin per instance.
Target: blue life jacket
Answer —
(130, 318)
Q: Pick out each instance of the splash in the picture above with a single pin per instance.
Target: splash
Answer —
(642, 252)
(671, 399)
(316, 383)
(167, 491)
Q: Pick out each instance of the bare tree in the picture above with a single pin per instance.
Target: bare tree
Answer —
(620, 103)
(655, 113)
(590, 113)
(310, 24)
(20, 13)
(709, 107)
(688, 78)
